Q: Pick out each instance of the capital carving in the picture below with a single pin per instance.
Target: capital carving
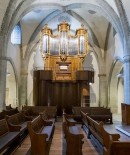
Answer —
(101, 75)
(126, 59)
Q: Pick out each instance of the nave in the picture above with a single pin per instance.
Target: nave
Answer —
(58, 145)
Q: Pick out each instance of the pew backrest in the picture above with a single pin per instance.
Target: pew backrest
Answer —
(3, 127)
(40, 138)
(95, 128)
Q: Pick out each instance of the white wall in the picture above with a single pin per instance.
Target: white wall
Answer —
(10, 86)
(114, 51)
(90, 61)
(30, 81)
(13, 53)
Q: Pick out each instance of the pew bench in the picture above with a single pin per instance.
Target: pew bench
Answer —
(8, 139)
(41, 133)
(102, 114)
(97, 133)
(97, 113)
(69, 119)
(95, 128)
(18, 121)
(47, 117)
(36, 110)
(113, 146)
(8, 107)
(10, 112)
(74, 139)
(2, 115)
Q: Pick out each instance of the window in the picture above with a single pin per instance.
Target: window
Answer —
(16, 35)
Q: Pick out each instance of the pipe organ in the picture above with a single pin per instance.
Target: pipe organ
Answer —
(62, 79)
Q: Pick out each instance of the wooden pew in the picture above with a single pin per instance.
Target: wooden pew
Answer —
(11, 111)
(8, 112)
(20, 121)
(41, 133)
(34, 111)
(112, 145)
(2, 115)
(97, 113)
(69, 118)
(73, 139)
(101, 114)
(9, 139)
(95, 129)
(47, 117)
(8, 107)
(110, 142)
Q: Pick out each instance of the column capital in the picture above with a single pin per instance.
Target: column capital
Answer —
(24, 72)
(101, 75)
(3, 58)
(126, 59)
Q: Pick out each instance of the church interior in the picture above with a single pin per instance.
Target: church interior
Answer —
(64, 77)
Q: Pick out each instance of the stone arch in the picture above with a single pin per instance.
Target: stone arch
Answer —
(8, 59)
(113, 82)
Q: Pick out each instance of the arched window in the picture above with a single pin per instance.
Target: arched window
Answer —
(16, 35)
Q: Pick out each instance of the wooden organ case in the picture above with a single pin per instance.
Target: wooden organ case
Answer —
(63, 79)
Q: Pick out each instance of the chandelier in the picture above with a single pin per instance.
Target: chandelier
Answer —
(64, 44)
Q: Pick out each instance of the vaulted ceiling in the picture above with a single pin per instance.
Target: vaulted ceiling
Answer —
(96, 15)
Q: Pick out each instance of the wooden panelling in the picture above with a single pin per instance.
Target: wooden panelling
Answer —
(63, 94)
(125, 113)
(85, 75)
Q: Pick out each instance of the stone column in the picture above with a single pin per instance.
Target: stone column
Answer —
(102, 90)
(127, 79)
(23, 84)
(3, 66)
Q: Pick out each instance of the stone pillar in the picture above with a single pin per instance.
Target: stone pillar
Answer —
(127, 79)
(3, 66)
(102, 90)
(23, 84)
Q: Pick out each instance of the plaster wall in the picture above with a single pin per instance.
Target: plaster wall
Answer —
(113, 5)
(14, 52)
(126, 4)
(3, 7)
(114, 51)
(110, 52)
(11, 97)
(90, 61)
(27, 31)
(30, 81)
